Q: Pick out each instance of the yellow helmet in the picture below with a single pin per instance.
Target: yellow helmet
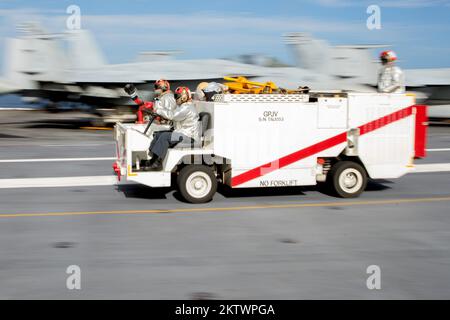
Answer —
(202, 85)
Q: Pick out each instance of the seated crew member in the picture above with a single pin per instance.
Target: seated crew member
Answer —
(163, 97)
(205, 91)
(390, 77)
(186, 124)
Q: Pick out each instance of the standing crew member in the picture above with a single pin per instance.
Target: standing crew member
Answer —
(186, 127)
(163, 97)
(390, 77)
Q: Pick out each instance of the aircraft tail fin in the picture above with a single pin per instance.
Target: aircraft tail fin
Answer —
(83, 50)
(34, 56)
(352, 61)
(308, 53)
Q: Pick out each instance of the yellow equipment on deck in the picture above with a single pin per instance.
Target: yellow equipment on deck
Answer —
(242, 85)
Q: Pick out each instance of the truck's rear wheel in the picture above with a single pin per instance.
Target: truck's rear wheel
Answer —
(347, 179)
(197, 183)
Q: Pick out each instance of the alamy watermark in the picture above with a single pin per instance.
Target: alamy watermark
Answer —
(73, 281)
(374, 20)
(73, 22)
(373, 282)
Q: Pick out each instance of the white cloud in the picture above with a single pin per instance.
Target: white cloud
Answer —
(207, 34)
(208, 22)
(211, 34)
(385, 3)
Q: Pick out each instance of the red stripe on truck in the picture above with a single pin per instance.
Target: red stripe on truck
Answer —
(383, 121)
(287, 160)
(420, 138)
(318, 147)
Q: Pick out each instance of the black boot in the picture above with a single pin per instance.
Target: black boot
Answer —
(144, 163)
(156, 165)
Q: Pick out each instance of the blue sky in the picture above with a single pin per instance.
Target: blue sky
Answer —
(417, 29)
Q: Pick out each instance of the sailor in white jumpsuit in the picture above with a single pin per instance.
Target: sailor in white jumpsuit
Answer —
(390, 78)
(164, 98)
(186, 124)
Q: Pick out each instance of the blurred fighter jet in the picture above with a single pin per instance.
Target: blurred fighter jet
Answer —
(355, 64)
(37, 67)
(69, 67)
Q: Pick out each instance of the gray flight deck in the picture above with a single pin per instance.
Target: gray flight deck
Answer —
(134, 242)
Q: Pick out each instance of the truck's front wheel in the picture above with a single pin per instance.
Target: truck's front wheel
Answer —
(347, 179)
(197, 183)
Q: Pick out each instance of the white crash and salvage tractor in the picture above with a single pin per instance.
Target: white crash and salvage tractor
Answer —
(275, 140)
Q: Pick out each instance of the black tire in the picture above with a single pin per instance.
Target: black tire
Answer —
(336, 181)
(187, 188)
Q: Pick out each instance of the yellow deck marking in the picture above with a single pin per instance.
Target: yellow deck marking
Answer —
(275, 206)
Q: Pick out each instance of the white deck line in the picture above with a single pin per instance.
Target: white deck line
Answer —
(438, 150)
(112, 180)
